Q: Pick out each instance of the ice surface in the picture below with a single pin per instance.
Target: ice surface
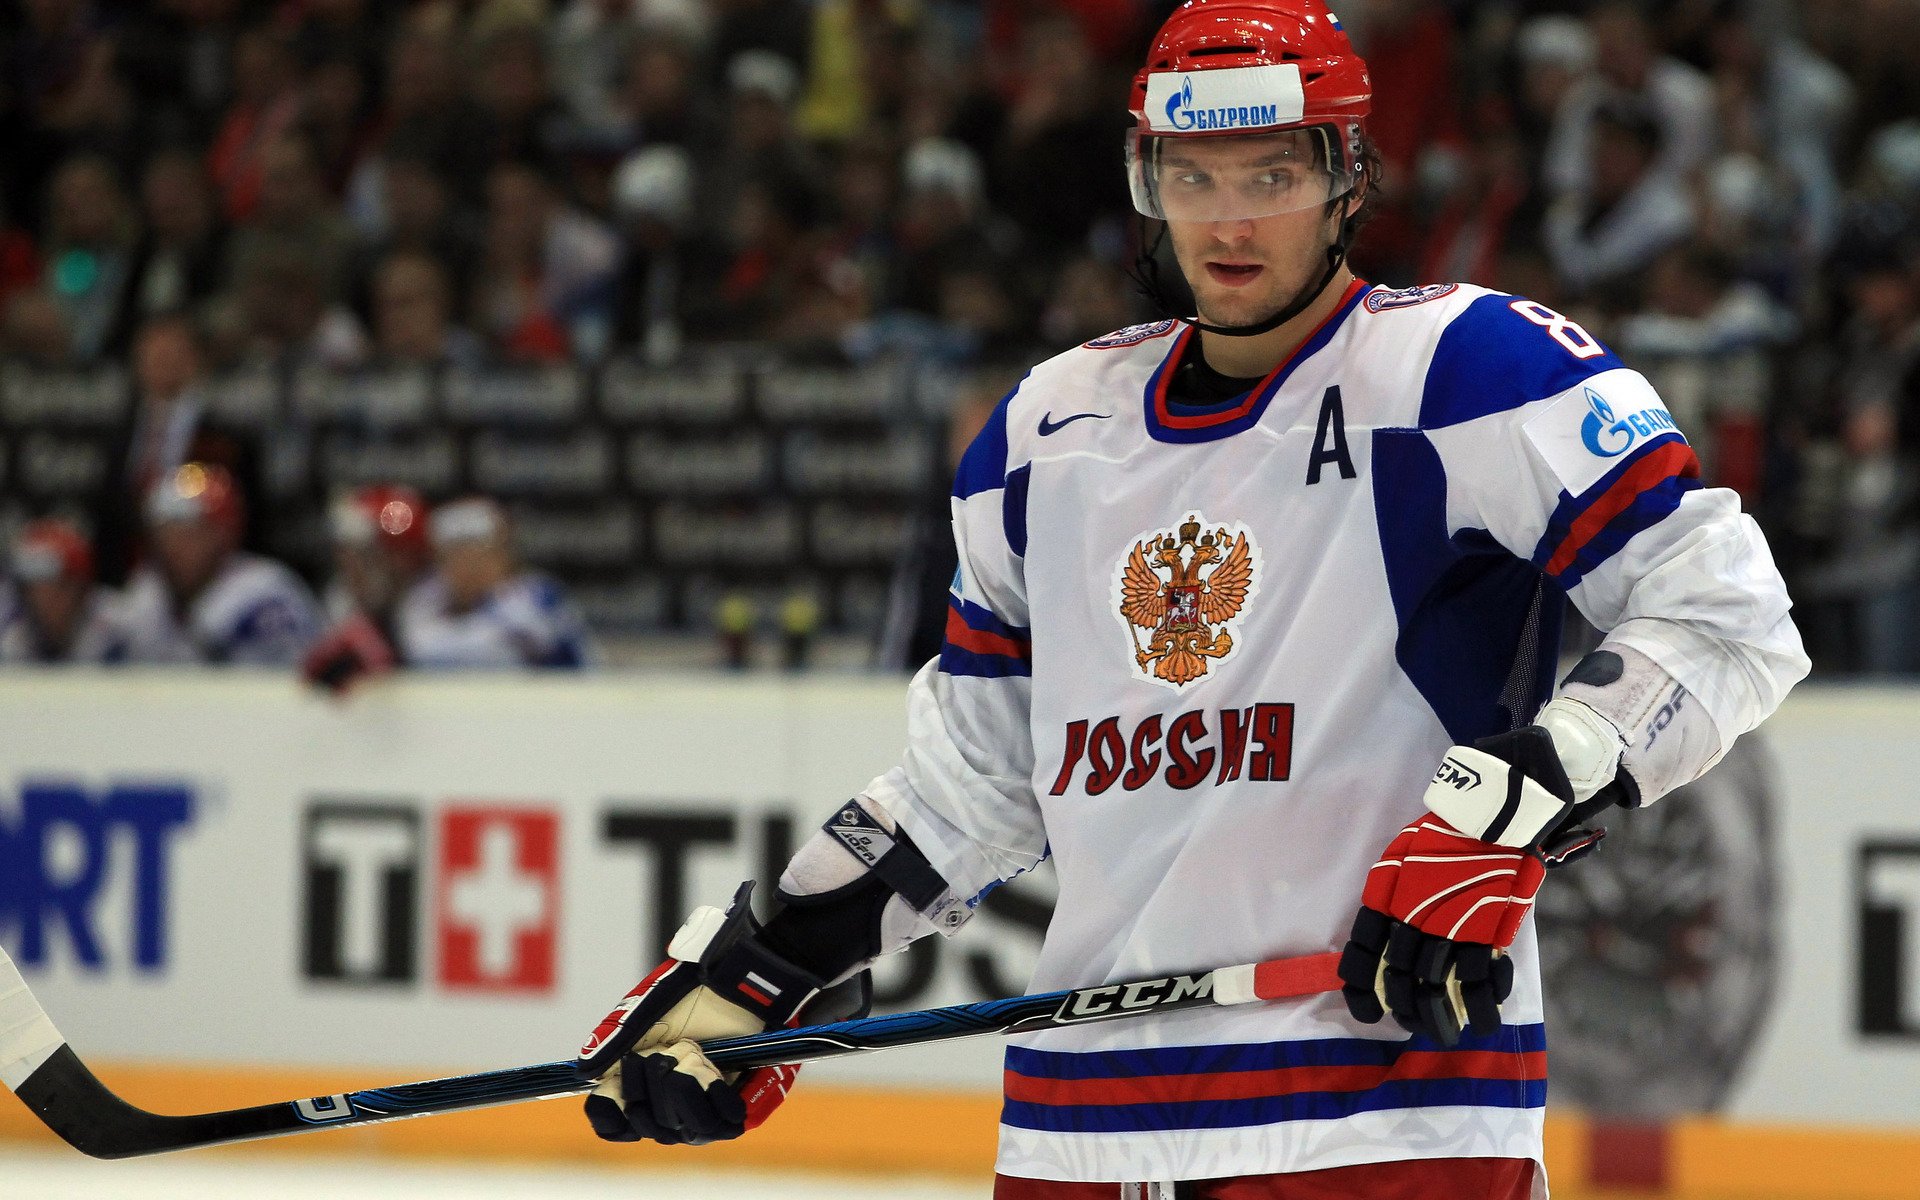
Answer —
(33, 1174)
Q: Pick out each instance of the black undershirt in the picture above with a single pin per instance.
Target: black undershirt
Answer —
(1197, 387)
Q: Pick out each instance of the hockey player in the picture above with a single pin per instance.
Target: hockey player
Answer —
(380, 553)
(1230, 587)
(478, 608)
(59, 614)
(201, 599)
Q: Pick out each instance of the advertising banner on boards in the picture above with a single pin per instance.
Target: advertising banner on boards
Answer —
(462, 874)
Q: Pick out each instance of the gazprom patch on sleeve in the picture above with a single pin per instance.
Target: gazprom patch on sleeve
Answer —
(1229, 98)
(1595, 424)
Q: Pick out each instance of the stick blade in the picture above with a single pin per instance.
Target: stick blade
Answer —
(27, 1037)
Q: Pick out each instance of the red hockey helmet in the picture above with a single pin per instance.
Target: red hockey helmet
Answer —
(198, 492)
(390, 516)
(1258, 73)
(50, 549)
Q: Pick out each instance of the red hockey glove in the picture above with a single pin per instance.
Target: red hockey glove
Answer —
(719, 981)
(1442, 904)
(346, 654)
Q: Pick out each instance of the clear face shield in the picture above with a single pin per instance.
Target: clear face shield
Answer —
(1237, 177)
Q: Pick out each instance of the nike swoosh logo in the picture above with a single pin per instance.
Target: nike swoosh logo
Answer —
(1049, 426)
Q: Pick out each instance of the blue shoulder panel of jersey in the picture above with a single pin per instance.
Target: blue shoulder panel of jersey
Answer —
(1494, 358)
(984, 466)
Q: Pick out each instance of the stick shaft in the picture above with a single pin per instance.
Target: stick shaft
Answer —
(59, 1088)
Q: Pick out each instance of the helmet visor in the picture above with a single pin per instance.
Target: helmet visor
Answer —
(1238, 177)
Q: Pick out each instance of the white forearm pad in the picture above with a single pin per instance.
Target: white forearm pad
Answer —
(1490, 799)
(1669, 738)
(1588, 744)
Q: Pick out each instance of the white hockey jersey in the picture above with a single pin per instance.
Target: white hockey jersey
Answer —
(255, 612)
(525, 622)
(1208, 660)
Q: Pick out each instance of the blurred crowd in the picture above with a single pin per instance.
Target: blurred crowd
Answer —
(432, 589)
(1728, 191)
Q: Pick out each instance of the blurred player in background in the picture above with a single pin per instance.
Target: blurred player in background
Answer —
(1229, 586)
(479, 608)
(58, 614)
(380, 553)
(200, 598)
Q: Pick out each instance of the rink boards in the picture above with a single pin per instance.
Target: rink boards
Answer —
(225, 885)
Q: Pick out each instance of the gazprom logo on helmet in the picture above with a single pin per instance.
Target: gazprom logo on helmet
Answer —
(1231, 98)
(1182, 115)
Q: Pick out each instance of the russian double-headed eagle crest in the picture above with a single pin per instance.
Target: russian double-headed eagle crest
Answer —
(1178, 592)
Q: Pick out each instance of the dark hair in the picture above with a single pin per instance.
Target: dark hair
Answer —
(1371, 168)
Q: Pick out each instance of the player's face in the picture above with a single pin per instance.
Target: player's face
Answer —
(472, 569)
(1244, 268)
(55, 607)
(189, 553)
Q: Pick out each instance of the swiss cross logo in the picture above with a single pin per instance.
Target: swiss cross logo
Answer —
(498, 897)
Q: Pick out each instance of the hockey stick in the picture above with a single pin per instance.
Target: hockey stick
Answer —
(37, 1065)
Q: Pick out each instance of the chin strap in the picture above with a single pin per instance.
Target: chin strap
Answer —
(1146, 274)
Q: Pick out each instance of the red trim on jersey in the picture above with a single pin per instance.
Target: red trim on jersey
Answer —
(1278, 1081)
(960, 634)
(1663, 463)
(1206, 420)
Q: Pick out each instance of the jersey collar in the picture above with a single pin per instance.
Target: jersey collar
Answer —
(1244, 412)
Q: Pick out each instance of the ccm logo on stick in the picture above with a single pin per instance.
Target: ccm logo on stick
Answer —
(1089, 1003)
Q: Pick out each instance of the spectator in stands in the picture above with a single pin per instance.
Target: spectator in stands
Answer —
(1784, 100)
(91, 231)
(1706, 340)
(295, 218)
(665, 255)
(1410, 50)
(334, 111)
(416, 212)
(413, 316)
(1873, 572)
(1055, 165)
(203, 599)
(771, 237)
(782, 28)
(1091, 297)
(1631, 74)
(425, 116)
(547, 276)
(1625, 213)
(284, 315)
(588, 44)
(180, 262)
(170, 427)
(34, 330)
(380, 554)
(265, 108)
(178, 60)
(510, 87)
(59, 615)
(479, 608)
(659, 102)
(761, 144)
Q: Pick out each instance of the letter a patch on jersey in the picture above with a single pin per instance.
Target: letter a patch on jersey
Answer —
(1178, 594)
